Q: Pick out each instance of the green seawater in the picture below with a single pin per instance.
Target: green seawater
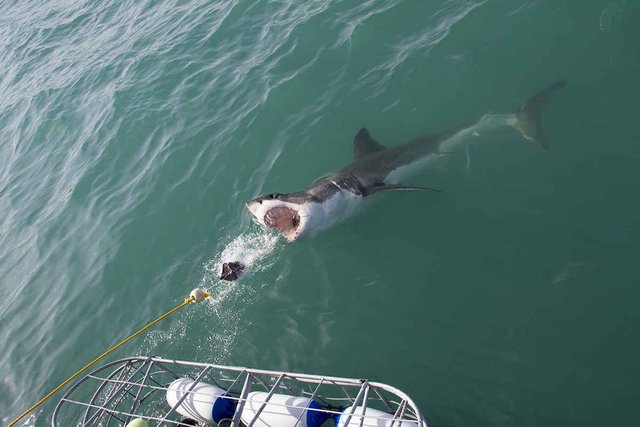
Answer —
(132, 133)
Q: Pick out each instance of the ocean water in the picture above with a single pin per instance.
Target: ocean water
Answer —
(132, 133)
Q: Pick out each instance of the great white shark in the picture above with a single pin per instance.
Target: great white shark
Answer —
(376, 168)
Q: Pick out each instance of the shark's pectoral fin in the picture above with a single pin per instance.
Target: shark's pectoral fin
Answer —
(378, 188)
(364, 144)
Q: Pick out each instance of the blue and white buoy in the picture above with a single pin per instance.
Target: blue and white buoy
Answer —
(372, 418)
(282, 410)
(206, 403)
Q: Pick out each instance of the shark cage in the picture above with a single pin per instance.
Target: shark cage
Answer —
(151, 391)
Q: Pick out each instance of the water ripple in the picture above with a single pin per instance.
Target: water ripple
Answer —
(421, 42)
(121, 124)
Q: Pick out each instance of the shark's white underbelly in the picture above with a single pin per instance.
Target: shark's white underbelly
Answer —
(398, 175)
(455, 142)
(317, 217)
(320, 216)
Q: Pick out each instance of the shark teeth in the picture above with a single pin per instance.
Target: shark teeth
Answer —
(285, 219)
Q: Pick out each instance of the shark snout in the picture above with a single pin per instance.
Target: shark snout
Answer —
(250, 205)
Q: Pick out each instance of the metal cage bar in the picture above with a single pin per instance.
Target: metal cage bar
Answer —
(135, 387)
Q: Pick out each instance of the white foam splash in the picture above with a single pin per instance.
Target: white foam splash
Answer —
(248, 248)
(212, 334)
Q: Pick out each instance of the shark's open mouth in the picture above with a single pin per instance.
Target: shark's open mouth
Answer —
(285, 219)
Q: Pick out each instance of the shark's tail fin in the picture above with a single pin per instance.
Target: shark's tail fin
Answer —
(527, 117)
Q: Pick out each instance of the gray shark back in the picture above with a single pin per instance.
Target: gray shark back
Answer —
(374, 162)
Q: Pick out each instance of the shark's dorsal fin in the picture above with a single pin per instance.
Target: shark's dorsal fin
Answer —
(377, 188)
(363, 144)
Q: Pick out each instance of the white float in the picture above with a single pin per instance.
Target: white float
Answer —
(206, 403)
(282, 410)
(372, 418)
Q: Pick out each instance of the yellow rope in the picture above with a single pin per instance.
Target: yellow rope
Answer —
(186, 302)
